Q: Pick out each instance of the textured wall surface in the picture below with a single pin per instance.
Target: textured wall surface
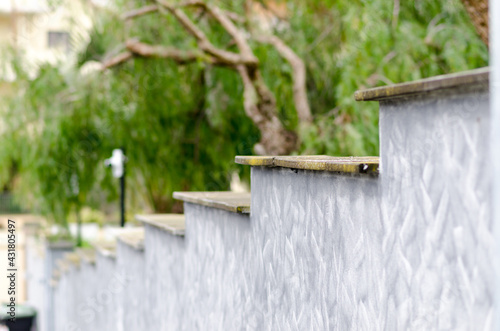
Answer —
(104, 306)
(53, 253)
(437, 238)
(164, 279)
(98, 296)
(218, 293)
(317, 257)
(408, 250)
(133, 302)
(285, 267)
(199, 282)
(35, 279)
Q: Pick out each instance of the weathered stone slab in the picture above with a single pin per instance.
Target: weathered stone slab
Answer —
(350, 165)
(133, 238)
(62, 265)
(107, 249)
(72, 258)
(174, 224)
(87, 255)
(230, 201)
(469, 79)
(265, 161)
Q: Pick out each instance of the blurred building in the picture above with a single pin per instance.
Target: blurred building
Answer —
(41, 31)
(36, 31)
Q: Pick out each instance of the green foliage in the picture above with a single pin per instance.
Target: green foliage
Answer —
(366, 46)
(181, 126)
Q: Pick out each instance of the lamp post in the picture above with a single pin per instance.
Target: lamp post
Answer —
(75, 189)
(117, 164)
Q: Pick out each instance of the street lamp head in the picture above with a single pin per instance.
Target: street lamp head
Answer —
(116, 162)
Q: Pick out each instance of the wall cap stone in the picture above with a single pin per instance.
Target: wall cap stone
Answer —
(87, 255)
(174, 224)
(60, 244)
(62, 265)
(133, 237)
(349, 165)
(229, 201)
(72, 258)
(477, 77)
(107, 249)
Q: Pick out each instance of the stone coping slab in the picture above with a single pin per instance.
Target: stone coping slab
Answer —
(64, 245)
(72, 258)
(230, 201)
(62, 265)
(133, 237)
(461, 79)
(174, 224)
(56, 274)
(350, 165)
(107, 249)
(86, 254)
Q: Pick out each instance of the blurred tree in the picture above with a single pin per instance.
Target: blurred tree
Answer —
(258, 101)
(478, 12)
(182, 114)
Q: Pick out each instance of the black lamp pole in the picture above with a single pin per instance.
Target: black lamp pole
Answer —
(122, 197)
(117, 164)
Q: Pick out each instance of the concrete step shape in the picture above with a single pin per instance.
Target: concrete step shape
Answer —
(347, 165)
(468, 79)
(87, 255)
(174, 224)
(106, 249)
(133, 237)
(229, 201)
(435, 198)
(335, 243)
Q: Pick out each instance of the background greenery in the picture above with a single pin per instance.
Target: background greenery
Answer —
(181, 126)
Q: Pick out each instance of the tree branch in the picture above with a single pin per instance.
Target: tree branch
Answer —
(259, 102)
(250, 98)
(140, 12)
(260, 107)
(115, 60)
(299, 76)
(179, 56)
(227, 24)
(234, 17)
(227, 57)
(137, 48)
(478, 12)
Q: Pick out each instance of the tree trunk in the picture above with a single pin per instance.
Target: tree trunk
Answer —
(478, 12)
(260, 107)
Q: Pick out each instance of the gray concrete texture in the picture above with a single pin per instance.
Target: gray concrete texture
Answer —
(410, 249)
(436, 204)
(35, 279)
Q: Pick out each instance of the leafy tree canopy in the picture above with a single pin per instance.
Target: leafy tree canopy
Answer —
(182, 125)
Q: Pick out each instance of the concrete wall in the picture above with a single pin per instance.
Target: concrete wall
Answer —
(35, 278)
(285, 266)
(102, 305)
(133, 305)
(164, 277)
(409, 249)
(438, 234)
(53, 253)
(101, 295)
(218, 277)
(318, 260)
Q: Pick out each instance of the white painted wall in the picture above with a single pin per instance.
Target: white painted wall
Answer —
(494, 38)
